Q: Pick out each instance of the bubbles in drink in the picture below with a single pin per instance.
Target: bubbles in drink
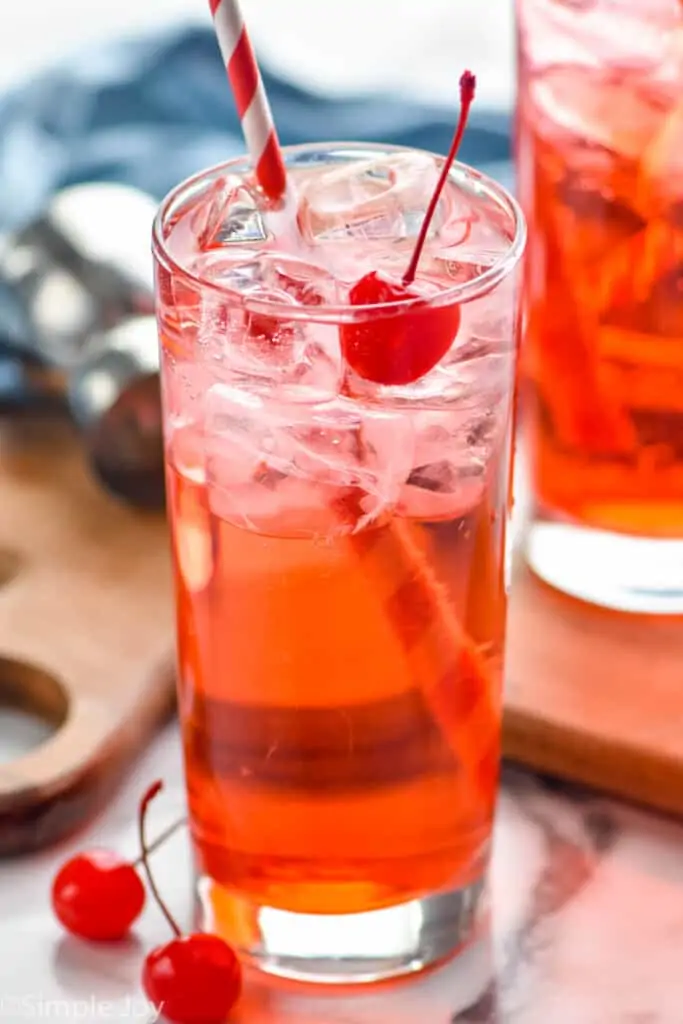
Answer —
(299, 470)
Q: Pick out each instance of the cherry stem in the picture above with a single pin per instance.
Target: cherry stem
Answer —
(161, 839)
(153, 791)
(467, 89)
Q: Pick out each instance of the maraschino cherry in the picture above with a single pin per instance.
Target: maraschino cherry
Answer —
(402, 348)
(98, 895)
(193, 979)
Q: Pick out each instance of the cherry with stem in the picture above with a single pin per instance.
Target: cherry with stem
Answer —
(403, 347)
(467, 90)
(98, 895)
(193, 979)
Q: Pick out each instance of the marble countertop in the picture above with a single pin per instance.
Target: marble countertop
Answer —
(587, 899)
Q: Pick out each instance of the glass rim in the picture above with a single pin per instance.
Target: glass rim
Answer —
(328, 313)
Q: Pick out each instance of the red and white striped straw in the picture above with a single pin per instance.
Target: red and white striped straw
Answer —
(252, 103)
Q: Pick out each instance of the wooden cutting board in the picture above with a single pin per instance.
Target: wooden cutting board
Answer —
(594, 695)
(86, 632)
(86, 642)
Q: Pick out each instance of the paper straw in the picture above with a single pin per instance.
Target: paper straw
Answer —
(448, 667)
(251, 100)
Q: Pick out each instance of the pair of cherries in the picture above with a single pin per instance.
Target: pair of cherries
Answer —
(193, 979)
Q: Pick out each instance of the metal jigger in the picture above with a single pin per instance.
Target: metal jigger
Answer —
(113, 395)
(81, 331)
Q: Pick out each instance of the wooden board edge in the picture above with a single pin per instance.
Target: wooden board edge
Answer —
(634, 774)
(39, 820)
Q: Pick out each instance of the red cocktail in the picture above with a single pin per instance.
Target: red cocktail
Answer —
(339, 548)
(600, 129)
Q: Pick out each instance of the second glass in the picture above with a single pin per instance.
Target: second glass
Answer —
(339, 547)
(600, 136)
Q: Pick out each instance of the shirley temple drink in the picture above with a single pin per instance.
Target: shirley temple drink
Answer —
(338, 532)
(600, 153)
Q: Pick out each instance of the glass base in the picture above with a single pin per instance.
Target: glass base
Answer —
(630, 574)
(343, 949)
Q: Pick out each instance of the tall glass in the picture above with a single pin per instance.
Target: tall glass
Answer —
(600, 154)
(339, 551)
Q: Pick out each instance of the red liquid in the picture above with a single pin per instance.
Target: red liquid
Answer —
(337, 760)
(339, 555)
(603, 353)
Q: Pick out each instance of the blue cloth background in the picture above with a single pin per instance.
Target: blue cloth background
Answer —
(153, 110)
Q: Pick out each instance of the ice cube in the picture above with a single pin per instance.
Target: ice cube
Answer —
(591, 108)
(478, 374)
(271, 277)
(451, 455)
(306, 283)
(320, 470)
(297, 359)
(384, 198)
(268, 350)
(229, 215)
(441, 491)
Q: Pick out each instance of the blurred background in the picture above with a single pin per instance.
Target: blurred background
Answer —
(343, 46)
